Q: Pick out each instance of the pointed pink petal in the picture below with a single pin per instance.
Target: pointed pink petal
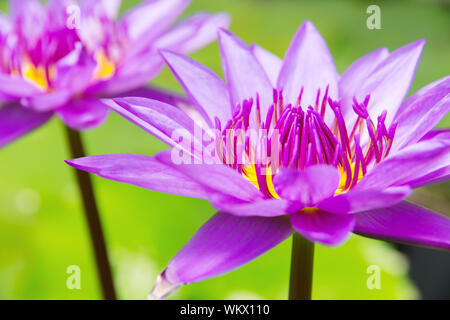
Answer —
(45, 101)
(151, 17)
(422, 91)
(168, 97)
(323, 227)
(17, 6)
(391, 81)
(157, 118)
(256, 208)
(245, 76)
(142, 171)
(437, 134)
(57, 10)
(354, 76)
(216, 177)
(158, 94)
(83, 113)
(5, 24)
(407, 165)
(308, 186)
(439, 175)
(193, 33)
(16, 121)
(30, 19)
(308, 63)
(406, 223)
(108, 8)
(356, 201)
(111, 7)
(269, 61)
(16, 87)
(207, 91)
(421, 112)
(225, 243)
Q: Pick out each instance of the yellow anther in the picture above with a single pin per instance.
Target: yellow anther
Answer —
(249, 172)
(105, 67)
(35, 75)
(343, 180)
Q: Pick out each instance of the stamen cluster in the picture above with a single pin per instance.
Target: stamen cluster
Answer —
(295, 137)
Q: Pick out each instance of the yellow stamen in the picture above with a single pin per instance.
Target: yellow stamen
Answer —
(343, 180)
(249, 172)
(35, 75)
(105, 67)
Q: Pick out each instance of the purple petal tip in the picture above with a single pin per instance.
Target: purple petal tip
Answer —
(163, 288)
(224, 30)
(308, 25)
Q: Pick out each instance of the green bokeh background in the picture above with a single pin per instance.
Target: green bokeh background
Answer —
(42, 227)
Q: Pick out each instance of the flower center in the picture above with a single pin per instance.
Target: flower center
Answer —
(295, 137)
(42, 76)
(37, 62)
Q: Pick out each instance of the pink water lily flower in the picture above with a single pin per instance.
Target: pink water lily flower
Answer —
(62, 57)
(349, 151)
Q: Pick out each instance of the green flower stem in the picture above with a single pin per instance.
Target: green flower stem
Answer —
(302, 260)
(92, 217)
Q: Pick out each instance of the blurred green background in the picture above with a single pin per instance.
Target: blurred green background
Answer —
(42, 227)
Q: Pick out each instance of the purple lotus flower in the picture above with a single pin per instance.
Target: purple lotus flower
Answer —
(60, 58)
(341, 153)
